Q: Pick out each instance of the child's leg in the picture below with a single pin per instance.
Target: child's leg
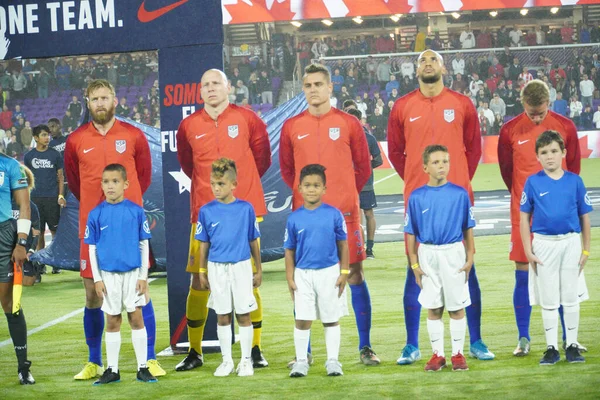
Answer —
(457, 331)
(246, 334)
(333, 335)
(113, 341)
(571, 314)
(550, 321)
(225, 335)
(435, 328)
(139, 336)
(301, 339)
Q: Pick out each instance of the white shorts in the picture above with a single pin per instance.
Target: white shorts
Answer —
(443, 286)
(120, 292)
(317, 296)
(558, 281)
(231, 287)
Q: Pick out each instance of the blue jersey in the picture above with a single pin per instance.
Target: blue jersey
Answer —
(45, 166)
(59, 145)
(229, 228)
(116, 230)
(439, 215)
(556, 204)
(12, 177)
(314, 235)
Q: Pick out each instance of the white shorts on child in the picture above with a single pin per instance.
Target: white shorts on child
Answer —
(231, 287)
(121, 293)
(558, 281)
(444, 285)
(317, 296)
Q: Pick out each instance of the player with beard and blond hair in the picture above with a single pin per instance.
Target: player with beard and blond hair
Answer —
(103, 141)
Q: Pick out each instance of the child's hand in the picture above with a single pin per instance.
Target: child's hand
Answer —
(257, 279)
(204, 285)
(341, 284)
(141, 287)
(467, 269)
(534, 261)
(100, 289)
(582, 260)
(292, 287)
(419, 274)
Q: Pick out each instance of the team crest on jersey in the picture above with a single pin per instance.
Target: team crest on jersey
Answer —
(472, 213)
(448, 115)
(523, 198)
(87, 233)
(146, 227)
(198, 228)
(587, 199)
(233, 131)
(121, 146)
(1, 178)
(285, 235)
(334, 133)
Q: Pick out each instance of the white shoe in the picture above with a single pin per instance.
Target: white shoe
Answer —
(224, 369)
(245, 368)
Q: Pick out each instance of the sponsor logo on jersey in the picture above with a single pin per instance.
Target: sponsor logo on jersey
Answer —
(198, 228)
(38, 163)
(587, 199)
(448, 115)
(523, 198)
(121, 146)
(146, 227)
(233, 131)
(334, 133)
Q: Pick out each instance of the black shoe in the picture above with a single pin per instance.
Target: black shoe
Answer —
(38, 279)
(144, 375)
(56, 271)
(573, 354)
(258, 361)
(370, 255)
(108, 377)
(551, 356)
(25, 377)
(193, 360)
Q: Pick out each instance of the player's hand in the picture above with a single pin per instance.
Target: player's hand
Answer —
(204, 282)
(100, 289)
(534, 261)
(419, 274)
(341, 283)
(466, 269)
(582, 260)
(257, 279)
(293, 288)
(19, 255)
(141, 287)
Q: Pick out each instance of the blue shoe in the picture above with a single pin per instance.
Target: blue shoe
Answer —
(410, 355)
(573, 354)
(551, 356)
(480, 351)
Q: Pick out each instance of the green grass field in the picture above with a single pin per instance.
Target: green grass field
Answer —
(59, 352)
(486, 178)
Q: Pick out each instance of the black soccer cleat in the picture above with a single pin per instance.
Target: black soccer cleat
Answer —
(108, 377)
(191, 361)
(144, 375)
(258, 361)
(25, 377)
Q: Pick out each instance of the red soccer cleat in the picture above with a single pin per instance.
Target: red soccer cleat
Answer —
(436, 363)
(459, 363)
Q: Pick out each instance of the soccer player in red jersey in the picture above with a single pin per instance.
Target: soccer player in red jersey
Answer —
(430, 115)
(103, 141)
(330, 137)
(219, 130)
(517, 159)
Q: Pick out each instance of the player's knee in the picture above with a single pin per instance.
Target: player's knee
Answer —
(113, 323)
(571, 309)
(303, 325)
(136, 320)
(91, 298)
(243, 319)
(458, 314)
(224, 319)
(435, 313)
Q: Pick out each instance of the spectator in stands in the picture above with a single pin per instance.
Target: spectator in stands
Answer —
(557, 72)
(529, 38)
(383, 73)
(153, 94)
(138, 70)
(483, 66)
(379, 104)
(141, 104)
(587, 118)
(344, 95)
(497, 105)
(77, 76)
(540, 36)
(265, 88)
(100, 70)
(319, 48)
(572, 90)
(489, 114)
(18, 113)
(378, 124)
(137, 117)
(458, 84)
(525, 75)
(484, 39)
(395, 95)
(498, 122)
(113, 73)
(396, 70)
(6, 116)
(515, 36)
(3, 96)
(502, 38)
(467, 38)
(596, 118)
(391, 85)
(361, 105)
(506, 57)
(123, 71)
(575, 108)
(560, 105)
(42, 81)
(511, 99)
(69, 121)
(19, 84)
(566, 33)
(408, 69)
(552, 91)
(514, 70)
(19, 124)
(419, 43)
(338, 81)
(372, 68)
(501, 88)
(62, 72)
(26, 135)
(484, 124)
(254, 97)
(475, 85)
(333, 101)
(75, 107)
(586, 88)
(14, 149)
(350, 82)
(122, 109)
(458, 64)
(147, 117)
(496, 68)
(241, 92)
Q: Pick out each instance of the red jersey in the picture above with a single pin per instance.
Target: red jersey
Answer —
(516, 149)
(88, 152)
(449, 119)
(238, 134)
(335, 140)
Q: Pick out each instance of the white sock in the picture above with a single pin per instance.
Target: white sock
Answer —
(333, 337)
(571, 314)
(246, 335)
(113, 347)
(550, 320)
(458, 328)
(301, 339)
(435, 327)
(225, 336)
(139, 338)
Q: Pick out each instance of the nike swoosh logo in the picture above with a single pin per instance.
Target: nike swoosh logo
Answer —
(548, 329)
(457, 340)
(464, 301)
(149, 16)
(200, 136)
(570, 329)
(425, 210)
(85, 151)
(302, 137)
(523, 142)
(213, 225)
(414, 119)
(433, 341)
(300, 231)
(103, 227)
(581, 295)
(543, 194)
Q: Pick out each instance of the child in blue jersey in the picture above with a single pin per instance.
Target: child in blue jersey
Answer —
(228, 232)
(118, 232)
(316, 264)
(559, 205)
(438, 218)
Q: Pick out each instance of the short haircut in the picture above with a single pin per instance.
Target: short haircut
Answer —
(355, 112)
(313, 169)
(224, 166)
(39, 129)
(98, 84)
(429, 150)
(54, 121)
(30, 178)
(535, 93)
(116, 168)
(314, 68)
(348, 103)
(546, 138)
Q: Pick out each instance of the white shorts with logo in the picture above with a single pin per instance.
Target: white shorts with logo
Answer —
(121, 293)
(231, 287)
(558, 281)
(444, 285)
(317, 296)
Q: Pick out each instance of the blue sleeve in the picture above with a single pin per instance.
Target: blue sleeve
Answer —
(201, 233)
(91, 229)
(408, 222)
(584, 204)
(18, 179)
(289, 238)
(341, 231)
(527, 197)
(468, 212)
(253, 229)
(143, 224)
